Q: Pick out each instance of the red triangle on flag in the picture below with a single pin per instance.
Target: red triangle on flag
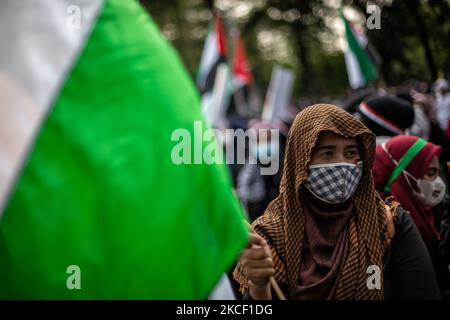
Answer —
(241, 67)
(221, 36)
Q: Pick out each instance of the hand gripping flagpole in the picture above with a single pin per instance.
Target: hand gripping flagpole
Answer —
(272, 280)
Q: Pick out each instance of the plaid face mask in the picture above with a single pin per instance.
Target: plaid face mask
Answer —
(334, 182)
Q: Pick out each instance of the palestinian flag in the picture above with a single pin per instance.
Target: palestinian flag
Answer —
(360, 58)
(241, 79)
(92, 205)
(242, 75)
(214, 53)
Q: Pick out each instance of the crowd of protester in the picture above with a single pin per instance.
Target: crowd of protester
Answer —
(362, 181)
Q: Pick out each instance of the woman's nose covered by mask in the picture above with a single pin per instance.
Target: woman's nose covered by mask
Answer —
(335, 182)
(431, 193)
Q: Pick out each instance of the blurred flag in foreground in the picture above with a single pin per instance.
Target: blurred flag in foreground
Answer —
(87, 184)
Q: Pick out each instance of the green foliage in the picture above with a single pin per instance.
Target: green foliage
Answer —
(413, 42)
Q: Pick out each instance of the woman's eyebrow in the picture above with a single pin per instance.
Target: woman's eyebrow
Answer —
(352, 146)
(326, 147)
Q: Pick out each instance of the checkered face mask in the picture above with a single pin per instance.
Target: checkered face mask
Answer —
(334, 182)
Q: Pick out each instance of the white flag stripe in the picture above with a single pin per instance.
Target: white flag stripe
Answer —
(210, 56)
(354, 73)
(222, 290)
(278, 94)
(41, 47)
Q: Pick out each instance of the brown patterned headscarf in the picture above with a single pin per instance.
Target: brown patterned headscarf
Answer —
(283, 223)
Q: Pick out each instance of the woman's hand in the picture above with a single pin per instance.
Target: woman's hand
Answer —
(258, 267)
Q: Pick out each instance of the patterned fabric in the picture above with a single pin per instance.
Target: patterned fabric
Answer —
(283, 223)
(334, 183)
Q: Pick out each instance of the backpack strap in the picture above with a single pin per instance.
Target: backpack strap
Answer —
(391, 217)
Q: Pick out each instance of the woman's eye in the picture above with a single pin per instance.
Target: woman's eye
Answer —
(431, 172)
(327, 154)
(351, 153)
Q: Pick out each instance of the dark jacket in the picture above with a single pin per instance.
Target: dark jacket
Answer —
(408, 272)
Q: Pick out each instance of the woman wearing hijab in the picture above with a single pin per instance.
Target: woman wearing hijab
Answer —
(328, 229)
(407, 168)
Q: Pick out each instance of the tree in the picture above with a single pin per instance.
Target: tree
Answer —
(414, 39)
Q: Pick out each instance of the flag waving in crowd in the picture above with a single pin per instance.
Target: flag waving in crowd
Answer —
(126, 175)
(361, 62)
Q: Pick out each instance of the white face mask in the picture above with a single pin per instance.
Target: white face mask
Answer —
(431, 192)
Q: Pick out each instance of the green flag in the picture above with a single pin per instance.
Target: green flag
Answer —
(361, 69)
(93, 205)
